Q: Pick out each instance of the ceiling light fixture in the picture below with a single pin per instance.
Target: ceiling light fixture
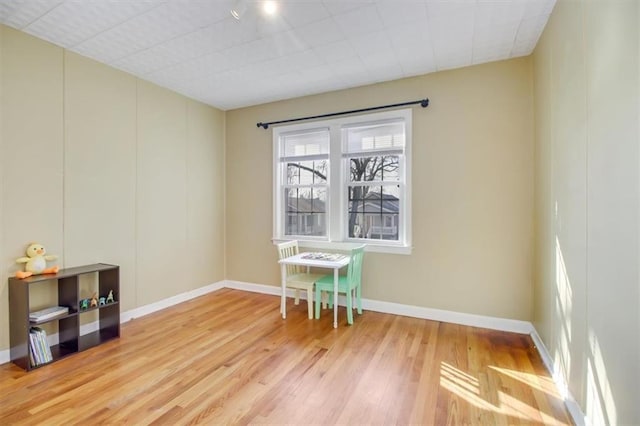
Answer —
(238, 8)
(270, 7)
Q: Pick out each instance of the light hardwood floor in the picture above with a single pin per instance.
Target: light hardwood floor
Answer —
(228, 358)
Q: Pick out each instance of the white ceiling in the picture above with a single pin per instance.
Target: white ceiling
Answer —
(195, 47)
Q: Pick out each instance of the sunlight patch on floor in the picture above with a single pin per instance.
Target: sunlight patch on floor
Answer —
(541, 383)
(468, 388)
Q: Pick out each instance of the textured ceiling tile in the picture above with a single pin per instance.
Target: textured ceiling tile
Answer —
(415, 54)
(380, 59)
(409, 34)
(272, 67)
(144, 62)
(188, 46)
(538, 7)
(384, 72)
(490, 53)
(412, 66)
(449, 50)
(451, 30)
(359, 21)
(394, 13)
(75, 22)
(301, 60)
(320, 33)
(192, 70)
(224, 34)
(530, 29)
(347, 67)
(264, 25)
(338, 7)
(250, 53)
(209, 64)
(371, 43)
(496, 13)
(299, 14)
(19, 14)
(196, 48)
(286, 43)
(146, 30)
(335, 51)
(496, 35)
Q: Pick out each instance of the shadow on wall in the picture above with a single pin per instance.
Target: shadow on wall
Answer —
(563, 304)
(599, 405)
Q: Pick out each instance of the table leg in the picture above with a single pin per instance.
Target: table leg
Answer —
(283, 298)
(335, 297)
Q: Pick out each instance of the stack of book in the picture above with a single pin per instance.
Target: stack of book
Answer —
(47, 313)
(39, 350)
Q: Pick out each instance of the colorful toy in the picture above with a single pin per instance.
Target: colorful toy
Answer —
(94, 301)
(84, 304)
(102, 301)
(110, 297)
(36, 262)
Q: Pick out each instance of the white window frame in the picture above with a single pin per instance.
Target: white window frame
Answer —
(279, 215)
(338, 183)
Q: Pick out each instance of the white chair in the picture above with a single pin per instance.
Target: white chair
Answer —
(298, 277)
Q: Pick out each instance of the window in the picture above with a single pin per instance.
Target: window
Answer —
(304, 163)
(344, 181)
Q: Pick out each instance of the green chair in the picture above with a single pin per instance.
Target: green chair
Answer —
(347, 284)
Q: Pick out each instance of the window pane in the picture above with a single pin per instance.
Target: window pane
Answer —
(374, 212)
(383, 168)
(307, 172)
(305, 143)
(306, 211)
(374, 137)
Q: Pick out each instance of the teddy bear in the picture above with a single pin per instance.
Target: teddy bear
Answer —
(36, 262)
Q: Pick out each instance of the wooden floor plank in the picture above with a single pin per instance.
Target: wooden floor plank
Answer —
(229, 358)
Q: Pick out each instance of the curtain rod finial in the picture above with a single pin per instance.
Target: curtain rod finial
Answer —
(424, 103)
(263, 125)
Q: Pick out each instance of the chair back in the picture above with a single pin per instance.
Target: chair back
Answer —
(288, 249)
(354, 270)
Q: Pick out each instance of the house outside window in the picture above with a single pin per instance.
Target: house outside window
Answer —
(345, 181)
(303, 168)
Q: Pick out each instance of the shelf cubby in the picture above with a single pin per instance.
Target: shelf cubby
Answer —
(69, 339)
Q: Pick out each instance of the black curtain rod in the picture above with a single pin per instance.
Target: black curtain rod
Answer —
(423, 103)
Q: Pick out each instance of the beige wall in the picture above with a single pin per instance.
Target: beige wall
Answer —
(102, 167)
(32, 160)
(472, 191)
(587, 80)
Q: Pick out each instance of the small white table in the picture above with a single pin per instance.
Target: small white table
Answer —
(299, 259)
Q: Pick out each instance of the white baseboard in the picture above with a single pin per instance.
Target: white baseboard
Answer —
(256, 288)
(156, 306)
(472, 320)
(574, 409)
(170, 301)
(502, 324)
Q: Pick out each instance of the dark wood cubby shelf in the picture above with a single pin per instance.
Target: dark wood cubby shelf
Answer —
(69, 339)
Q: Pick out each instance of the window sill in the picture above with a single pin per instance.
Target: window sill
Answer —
(344, 246)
